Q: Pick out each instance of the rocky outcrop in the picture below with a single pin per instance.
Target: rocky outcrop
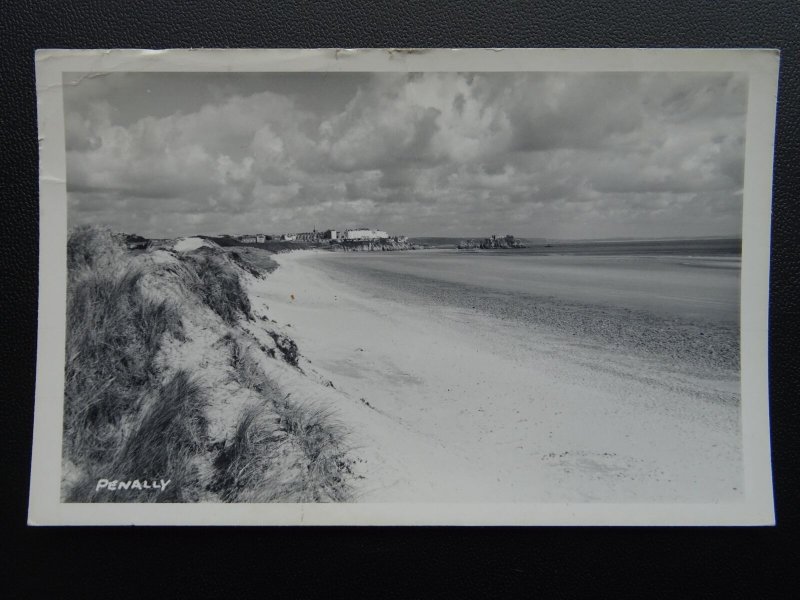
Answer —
(491, 243)
(387, 245)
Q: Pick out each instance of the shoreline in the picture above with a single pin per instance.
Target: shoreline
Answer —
(443, 407)
(693, 344)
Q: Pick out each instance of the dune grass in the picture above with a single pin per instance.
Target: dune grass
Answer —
(256, 261)
(114, 333)
(321, 440)
(92, 247)
(296, 457)
(128, 416)
(246, 370)
(287, 347)
(282, 450)
(166, 438)
(161, 444)
(245, 466)
(219, 286)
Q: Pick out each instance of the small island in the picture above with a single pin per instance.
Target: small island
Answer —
(491, 243)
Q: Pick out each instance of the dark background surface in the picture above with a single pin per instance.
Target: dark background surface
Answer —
(399, 562)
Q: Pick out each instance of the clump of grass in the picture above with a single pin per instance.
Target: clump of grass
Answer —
(287, 346)
(245, 265)
(219, 286)
(166, 438)
(113, 335)
(282, 450)
(246, 369)
(92, 247)
(245, 464)
(296, 456)
(160, 445)
(321, 439)
(253, 260)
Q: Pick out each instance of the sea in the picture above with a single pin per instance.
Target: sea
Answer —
(677, 298)
(715, 246)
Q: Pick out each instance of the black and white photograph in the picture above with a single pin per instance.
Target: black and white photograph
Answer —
(419, 283)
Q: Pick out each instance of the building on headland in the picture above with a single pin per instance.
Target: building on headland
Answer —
(258, 238)
(308, 236)
(316, 236)
(337, 237)
(365, 234)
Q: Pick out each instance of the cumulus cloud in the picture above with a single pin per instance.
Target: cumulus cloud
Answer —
(538, 154)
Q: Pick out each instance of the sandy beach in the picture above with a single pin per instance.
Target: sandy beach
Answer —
(446, 401)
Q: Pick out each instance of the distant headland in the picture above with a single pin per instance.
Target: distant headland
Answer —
(358, 239)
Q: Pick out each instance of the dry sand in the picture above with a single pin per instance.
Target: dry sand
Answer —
(448, 404)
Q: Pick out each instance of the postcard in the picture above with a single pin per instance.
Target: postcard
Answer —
(404, 287)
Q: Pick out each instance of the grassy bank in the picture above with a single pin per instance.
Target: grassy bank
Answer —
(164, 383)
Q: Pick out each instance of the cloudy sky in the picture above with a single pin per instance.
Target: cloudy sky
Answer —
(576, 155)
